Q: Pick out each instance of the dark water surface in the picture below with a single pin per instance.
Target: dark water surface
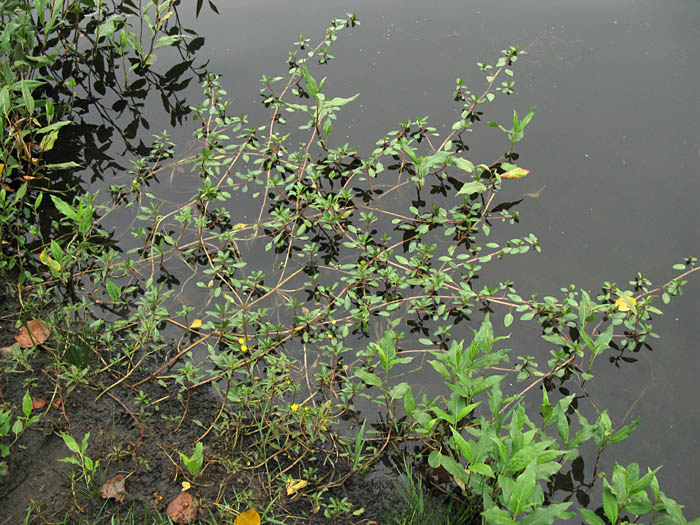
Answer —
(614, 143)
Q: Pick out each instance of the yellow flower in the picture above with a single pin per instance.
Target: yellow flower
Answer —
(624, 302)
(241, 340)
(294, 407)
(244, 348)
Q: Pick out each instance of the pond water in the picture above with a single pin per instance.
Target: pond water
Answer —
(614, 147)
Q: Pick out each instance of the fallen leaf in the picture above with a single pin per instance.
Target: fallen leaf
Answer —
(249, 517)
(7, 351)
(182, 509)
(57, 403)
(156, 499)
(295, 485)
(38, 403)
(186, 486)
(114, 488)
(197, 323)
(33, 334)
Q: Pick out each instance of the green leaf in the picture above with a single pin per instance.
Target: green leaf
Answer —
(468, 188)
(70, 442)
(610, 505)
(521, 459)
(165, 41)
(497, 516)
(625, 431)
(368, 378)
(547, 515)
(602, 343)
(194, 463)
(463, 164)
(72, 460)
(311, 84)
(113, 290)
(591, 517)
(462, 444)
(27, 404)
(409, 151)
(481, 468)
(27, 96)
(337, 102)
(65, 208)
(62, 165)
(508, 320)
(523, 489)
(21, 192)
(643, 482)
(17, 427)
(409, 402)
(638, 507)
(674, 509)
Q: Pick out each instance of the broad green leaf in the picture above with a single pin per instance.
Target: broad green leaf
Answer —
(409, 402)
(523, 489)
(194, 463)
(547, 515)
(27, 404)
(674, 509)
(455, 469)
(70, 442)
(610, 505)
(591, 517)
(638, 507)
(113, 290)
(165, 41)
(65, 208)
(399, 390)
(481, 468)
(368, 378)
(468, 188)
(497, 516)
(521, 459)
(463, 445)
(463, 164)
(643, 482)
(603, 341)
(408, 150)
(311, 84)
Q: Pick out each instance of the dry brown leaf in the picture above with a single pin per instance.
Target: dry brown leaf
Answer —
(114, 488)
(38, 403)
(182, 509)
(7, 351)
(249, 517)
(33, 334)
(57, 402)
